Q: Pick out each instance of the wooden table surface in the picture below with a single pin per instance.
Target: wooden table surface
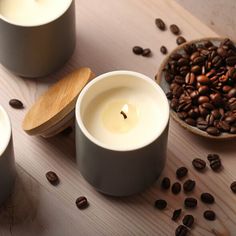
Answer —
(106, 32)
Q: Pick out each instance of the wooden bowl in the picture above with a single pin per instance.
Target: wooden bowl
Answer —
(165, 86)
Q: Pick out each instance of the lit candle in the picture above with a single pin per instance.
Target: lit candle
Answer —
(32, 12)
(121, 132)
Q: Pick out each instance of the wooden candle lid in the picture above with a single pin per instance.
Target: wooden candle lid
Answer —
(54, 110)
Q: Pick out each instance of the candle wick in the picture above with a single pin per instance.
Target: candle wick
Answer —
(124, 115)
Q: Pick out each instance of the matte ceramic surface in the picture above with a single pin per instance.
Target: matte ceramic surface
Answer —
(36, 51)
(165, 86)
(120, 172)
(7, 168)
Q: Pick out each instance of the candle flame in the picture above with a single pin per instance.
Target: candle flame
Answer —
(125, 108)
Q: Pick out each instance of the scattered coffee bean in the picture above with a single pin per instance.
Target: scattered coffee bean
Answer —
(146, 52)
(209, 215)
(213, 131)
(15, 103)
(176, 214)
(188, 220)
(81, 202)
(189, 185)
(67, 131)
(199, 164)
(52, 178)
(233, 187)
(181, 230)
(180, 40)
(181, 172)
(207, 198)
(137, 50)
(160, 24)
(174, 29)
(176, 188)
(165, 183)
(163, 50)
(213, 157)
(190, 202)
(160, 204)
(216, 165)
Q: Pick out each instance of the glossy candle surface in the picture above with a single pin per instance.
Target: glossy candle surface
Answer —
(142, 101)
(32, 12)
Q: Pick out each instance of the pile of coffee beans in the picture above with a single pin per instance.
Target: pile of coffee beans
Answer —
(188, 186)
(202, 83)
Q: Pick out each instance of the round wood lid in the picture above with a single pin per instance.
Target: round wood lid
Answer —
(54, 110)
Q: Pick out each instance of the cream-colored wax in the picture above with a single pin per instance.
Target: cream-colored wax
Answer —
(32, 12)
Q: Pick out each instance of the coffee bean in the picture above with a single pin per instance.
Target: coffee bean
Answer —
(196, 69)
(181, 172)
(233, 187)
(190, 121)
(165, 183)
(163, 50)
(181, 230)
(81, 202)
(160, 24)
(190, 202)
(231, 61)
(15, 103)
(176, 188)
(207, 198)
(202, 125)
(67, 131)
(137, 50)
(174, 29)
(213, 157)
(176, 214)
(180, 40)
(232, 130)
(146, 52)
(213, 131)
(199, 164)
(160, 204)
(188, 220)
(209, 215)
(216, 165)
(189, 185)
(52, 178)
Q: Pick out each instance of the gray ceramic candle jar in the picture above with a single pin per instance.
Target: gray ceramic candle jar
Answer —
(36, 37)
(7, 161)
(121, 132)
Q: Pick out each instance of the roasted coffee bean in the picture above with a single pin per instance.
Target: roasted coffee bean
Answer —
(160, 24)
(233, 187)
(181, 230)
(199, 164)
(183, 62)
(196, 69)
(190, 121)
(232, 93)
(160, 204)
(207, 198)
(180, 40)
(223, 126)
(202, 79)
(147, 52)
(190, 202)
(209, 215)
(163, 50)
(15, 103)
(81, 202)
(165, 183)
(137, 50)
(216, 165)
(189, 185)
(52, 178)
(202, 125)
(199, 61)
(190, 48)
(188, 220)
(203, 99)
(230, 119)
(203, 89)
(174, 104)
(176, 214)
(213, 157)
(181, 172)
(210, 119)
(67, 131)
(176, 188)
(182, 115)
(208, 106)
(231, 61)
(232, 130)
(174, 29)
(190, 78)
(217, 61)
(213, 131)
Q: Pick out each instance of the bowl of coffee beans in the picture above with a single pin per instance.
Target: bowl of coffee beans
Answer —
(199, 79)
